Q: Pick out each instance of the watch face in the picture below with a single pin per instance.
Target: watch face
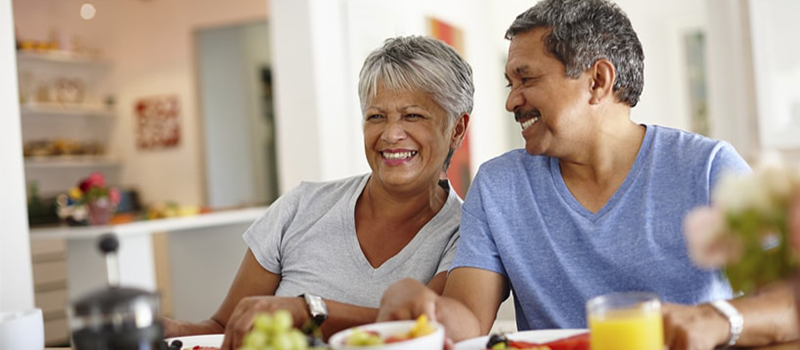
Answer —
(317, 307)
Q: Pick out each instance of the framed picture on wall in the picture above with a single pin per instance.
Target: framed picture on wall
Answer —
(157, 122)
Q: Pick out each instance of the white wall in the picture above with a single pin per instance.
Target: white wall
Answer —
(16, 281)
(776, 59)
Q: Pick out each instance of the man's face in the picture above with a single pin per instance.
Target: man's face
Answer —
(550, 107)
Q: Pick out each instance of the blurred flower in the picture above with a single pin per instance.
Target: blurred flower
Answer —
(90, 194)
(75, 193)
(746, 231)
(95, 179)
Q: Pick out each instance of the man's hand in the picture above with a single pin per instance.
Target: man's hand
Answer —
(407, 300)
(694, 327)
(241, 320)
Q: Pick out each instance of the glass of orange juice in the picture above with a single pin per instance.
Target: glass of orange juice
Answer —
(625, 321)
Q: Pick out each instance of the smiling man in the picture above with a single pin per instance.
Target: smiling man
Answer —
(595, 202)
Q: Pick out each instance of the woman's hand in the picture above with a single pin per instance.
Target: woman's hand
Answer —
(241, 320)
(407, 300)
(171, 327)
(693, 327)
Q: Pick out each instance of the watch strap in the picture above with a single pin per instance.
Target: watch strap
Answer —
(735, 319)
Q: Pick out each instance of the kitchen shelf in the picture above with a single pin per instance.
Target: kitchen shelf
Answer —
(61, 110)
(60, 57)
(71, 161)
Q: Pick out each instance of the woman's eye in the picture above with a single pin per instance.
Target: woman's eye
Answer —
(374, 117)
(413, 116)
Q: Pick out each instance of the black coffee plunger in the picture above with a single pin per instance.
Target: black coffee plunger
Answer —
(116, 318)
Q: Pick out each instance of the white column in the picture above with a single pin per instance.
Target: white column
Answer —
(314, 92)
(731, 96)
(16, 278)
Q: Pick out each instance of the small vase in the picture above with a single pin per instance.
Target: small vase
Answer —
(100, 211)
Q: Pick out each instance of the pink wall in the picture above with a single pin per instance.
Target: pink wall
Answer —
(150, 44)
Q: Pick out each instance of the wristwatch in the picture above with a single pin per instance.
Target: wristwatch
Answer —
(734, 317)
(317, 308)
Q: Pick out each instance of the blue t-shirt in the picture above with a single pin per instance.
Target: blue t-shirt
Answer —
(521, 221)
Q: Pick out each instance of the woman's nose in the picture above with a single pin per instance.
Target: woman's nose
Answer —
(394, 131)
(514, 100)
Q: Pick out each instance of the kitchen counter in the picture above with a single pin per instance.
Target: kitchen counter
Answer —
(189, 260)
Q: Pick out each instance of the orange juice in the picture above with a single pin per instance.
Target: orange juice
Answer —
(627, 329)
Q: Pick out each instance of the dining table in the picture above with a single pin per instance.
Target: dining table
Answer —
(795, 345)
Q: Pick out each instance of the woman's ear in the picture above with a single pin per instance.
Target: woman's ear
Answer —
(603, 76)
(459, 131)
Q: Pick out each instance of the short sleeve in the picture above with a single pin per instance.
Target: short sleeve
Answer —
(476, 246)
(449, 254)
(265, 235)
(725, 160)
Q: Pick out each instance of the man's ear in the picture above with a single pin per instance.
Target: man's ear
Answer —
(459, 130)
(603, 76)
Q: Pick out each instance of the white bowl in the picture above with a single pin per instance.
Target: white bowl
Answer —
(433, 341)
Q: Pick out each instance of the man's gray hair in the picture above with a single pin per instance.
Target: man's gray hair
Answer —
(584, 31)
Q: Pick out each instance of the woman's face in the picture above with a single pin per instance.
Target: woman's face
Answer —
(406, 139)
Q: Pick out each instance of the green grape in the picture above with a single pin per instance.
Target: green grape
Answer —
(282, 321)
(262, 322)
(299, 341)
(256, 339)
(275, 332)
(362, 338)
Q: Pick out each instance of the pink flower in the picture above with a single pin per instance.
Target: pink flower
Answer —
(94, 179)
(709, 246)
(113, 195)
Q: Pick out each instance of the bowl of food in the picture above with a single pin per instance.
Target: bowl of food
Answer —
(397, 335)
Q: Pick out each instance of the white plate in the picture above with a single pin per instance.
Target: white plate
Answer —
(537, 336)
(433, 341)
(214, 340)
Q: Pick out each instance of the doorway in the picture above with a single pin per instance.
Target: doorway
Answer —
(235, 90)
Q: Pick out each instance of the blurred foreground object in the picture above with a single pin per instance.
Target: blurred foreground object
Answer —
(116, 318)
(746, 231)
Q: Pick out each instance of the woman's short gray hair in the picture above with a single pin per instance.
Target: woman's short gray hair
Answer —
(418, 63)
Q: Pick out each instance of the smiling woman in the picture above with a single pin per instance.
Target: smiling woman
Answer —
(341, 243)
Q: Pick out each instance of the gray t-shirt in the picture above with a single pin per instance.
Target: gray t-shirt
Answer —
(308, 236)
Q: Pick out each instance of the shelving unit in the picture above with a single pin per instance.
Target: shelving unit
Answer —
(63, 112)
(63, 99)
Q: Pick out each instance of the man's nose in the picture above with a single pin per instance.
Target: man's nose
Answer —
(514, 100)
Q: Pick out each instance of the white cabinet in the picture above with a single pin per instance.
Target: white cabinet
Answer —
(67, 117)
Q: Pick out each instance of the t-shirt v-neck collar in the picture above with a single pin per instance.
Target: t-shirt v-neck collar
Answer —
(357, 254)
(575, 205)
